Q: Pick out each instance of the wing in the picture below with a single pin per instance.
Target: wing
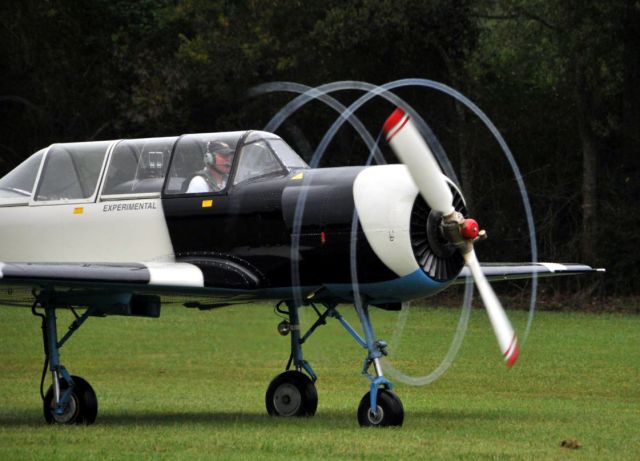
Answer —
(70, 274)
(19, 280)
(514, 271)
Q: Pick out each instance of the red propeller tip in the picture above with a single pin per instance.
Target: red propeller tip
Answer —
(470, 229)
(391, 122)
(512, 353)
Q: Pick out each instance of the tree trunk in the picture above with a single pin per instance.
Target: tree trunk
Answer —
(631, 89)
(589, 198)
(584, 104)
(465, 154)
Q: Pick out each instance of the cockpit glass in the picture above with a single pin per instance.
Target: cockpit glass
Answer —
(17, 185)
(138, 166)
(71, 170)
(256, 160)
(286, 154)
(202, 162)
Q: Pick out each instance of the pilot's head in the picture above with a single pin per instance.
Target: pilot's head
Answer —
(218, 156)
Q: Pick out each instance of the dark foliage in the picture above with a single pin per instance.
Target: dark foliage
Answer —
(558, 79)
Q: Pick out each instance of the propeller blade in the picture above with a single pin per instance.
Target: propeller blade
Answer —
(507, 338)
(408, 144)
(413, 151)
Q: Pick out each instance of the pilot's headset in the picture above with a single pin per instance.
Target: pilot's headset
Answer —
(209, 160)
(212, 148)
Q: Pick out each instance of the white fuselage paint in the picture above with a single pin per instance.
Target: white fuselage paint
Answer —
(175, 274)
(108, 231)
(384, 196)
(553, 267)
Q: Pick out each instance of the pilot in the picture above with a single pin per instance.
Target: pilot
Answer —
(217, 164)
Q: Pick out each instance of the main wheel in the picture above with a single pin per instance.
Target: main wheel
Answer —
(291, 393)
(390, 411)
(82, 407)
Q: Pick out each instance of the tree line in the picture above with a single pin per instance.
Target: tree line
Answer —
(558, 79)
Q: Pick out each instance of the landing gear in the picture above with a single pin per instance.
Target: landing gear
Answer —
(81, 406)
(379, 407)
(389, 410)
(69, 399)
(291, 393)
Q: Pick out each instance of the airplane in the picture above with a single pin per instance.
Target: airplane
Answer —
(114, 228)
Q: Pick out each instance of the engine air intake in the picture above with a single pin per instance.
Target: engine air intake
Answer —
(438, 258)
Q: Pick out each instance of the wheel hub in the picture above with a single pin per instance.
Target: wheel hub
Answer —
(376, 418)
(68, 414)
(287, 400)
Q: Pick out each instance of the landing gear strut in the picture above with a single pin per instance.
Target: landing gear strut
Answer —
(69, 399)
(380, 406)
(293, 393)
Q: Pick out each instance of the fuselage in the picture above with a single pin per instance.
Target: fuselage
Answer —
(335, 230)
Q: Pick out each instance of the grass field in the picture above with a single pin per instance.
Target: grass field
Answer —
(191, 385)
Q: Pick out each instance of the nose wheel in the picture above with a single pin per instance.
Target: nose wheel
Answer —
(291, 393)
(389, 410)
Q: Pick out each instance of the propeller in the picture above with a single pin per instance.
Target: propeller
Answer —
(411, 148)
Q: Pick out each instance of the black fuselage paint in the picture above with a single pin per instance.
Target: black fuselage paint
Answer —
(246, 236)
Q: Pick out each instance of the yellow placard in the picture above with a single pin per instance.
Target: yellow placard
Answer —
(207, 203)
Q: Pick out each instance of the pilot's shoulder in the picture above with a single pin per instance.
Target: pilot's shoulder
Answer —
(198, 184)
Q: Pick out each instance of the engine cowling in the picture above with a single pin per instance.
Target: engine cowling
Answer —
(401, 228)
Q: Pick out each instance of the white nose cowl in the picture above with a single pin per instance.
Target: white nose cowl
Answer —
(384, 196)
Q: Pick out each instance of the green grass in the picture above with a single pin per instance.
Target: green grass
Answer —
(191, 385)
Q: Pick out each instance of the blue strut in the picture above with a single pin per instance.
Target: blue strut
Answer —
(375, 348)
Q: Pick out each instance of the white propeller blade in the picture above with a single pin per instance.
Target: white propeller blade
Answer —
(501, 326)
(411, 148)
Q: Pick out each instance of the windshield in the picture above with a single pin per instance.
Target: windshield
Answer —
(71, 171)
(287, 155)
(17, 185)
(265, 154)
(256, 160)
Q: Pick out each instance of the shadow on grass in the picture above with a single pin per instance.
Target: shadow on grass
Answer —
(334, 419)
(329, 419)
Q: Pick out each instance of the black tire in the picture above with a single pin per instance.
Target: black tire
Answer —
(291, 393)
(390, 410)
(82, 407)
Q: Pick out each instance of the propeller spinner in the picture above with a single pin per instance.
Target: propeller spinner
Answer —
(411, 148)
